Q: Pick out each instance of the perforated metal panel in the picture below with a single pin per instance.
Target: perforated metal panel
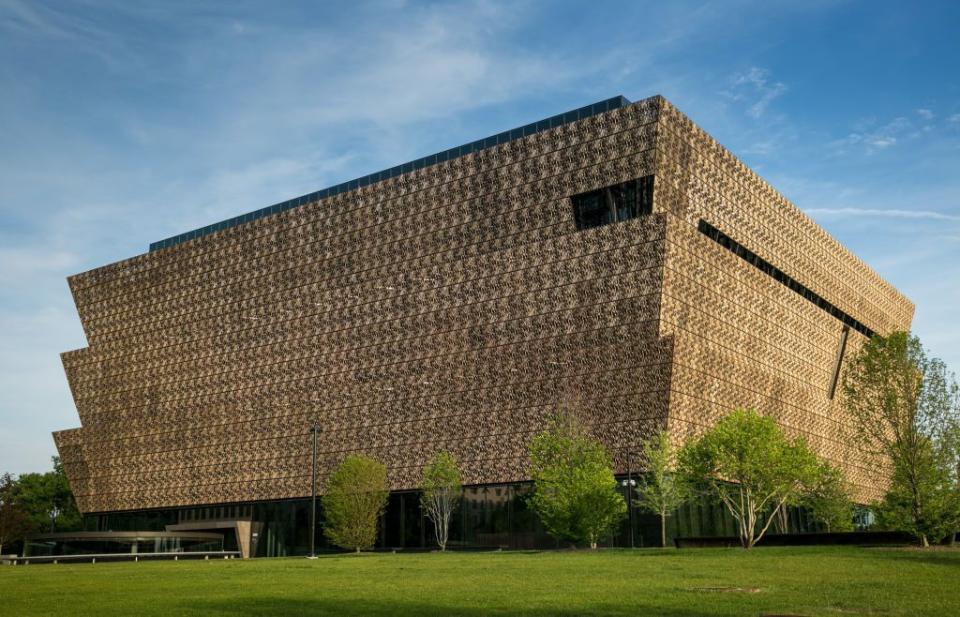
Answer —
(456, 306)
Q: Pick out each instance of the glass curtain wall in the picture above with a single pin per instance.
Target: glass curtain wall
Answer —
(489, 517)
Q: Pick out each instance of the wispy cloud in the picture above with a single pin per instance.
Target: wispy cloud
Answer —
(870, 137)
(55, 26)
(876, 138)
(926, 215)
(755, 88)
(25, 264)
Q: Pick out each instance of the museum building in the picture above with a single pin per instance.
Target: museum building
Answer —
(614, 261)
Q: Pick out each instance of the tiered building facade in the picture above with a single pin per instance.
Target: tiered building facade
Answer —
(615, 261)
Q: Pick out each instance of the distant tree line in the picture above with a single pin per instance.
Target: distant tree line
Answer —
(36, 503)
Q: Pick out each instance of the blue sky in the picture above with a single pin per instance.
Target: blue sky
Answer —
(123, 123)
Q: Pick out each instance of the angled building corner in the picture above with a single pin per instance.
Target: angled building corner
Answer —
(765, 307)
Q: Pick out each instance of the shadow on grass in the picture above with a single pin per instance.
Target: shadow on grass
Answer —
(267, 607)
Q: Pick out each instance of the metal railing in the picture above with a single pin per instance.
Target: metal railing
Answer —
(92, 558)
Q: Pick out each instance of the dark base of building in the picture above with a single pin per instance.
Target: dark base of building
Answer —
(494, 516)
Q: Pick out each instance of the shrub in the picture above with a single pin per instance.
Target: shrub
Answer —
(355, 499)
(575, 492)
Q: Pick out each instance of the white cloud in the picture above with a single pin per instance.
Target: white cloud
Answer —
(25, 264)
(427, 65)
(874, 139)
(36, 397)
(755, 88)
(62, 27)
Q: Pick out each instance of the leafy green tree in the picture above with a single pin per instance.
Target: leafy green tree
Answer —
(905, 408)
(829, 499)
(751, 466)
(938, 495)
(575, 492)
(949, 448)
(441, 492)
(13, 519)
(660, 490)
(355, 499)
(47, 501)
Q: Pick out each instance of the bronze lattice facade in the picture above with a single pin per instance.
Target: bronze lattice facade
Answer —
(456, 306)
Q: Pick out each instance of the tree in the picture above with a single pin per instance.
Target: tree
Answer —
(904, 406)
(13, 519)
(441, 494)
(47, 501)
(937, 489)
(575, 492)
(829, 499)
(661, 490)
(355, 499)
(950, 457)
(752, 467)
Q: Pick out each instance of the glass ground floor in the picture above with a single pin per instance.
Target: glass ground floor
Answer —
(489, 516)
(120, 542)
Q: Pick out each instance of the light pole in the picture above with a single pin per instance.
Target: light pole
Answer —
(629, 483)
(314, 430)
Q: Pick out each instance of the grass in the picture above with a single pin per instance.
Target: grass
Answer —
(767, 581)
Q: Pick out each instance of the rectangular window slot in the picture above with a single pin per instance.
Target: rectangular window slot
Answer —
(779, 275)
(612, 204)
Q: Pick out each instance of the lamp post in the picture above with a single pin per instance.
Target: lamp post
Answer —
(314, 430)
(629, 483)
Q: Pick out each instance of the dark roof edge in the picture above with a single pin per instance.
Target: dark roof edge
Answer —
(432, 159)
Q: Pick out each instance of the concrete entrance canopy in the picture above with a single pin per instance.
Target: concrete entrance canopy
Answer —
(247, 532)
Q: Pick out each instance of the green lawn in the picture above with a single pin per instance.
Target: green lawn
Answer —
(794, 581)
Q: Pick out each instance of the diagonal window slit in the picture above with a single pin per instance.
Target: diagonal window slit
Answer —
(780, 276)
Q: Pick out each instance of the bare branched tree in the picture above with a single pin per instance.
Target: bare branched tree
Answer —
(661, 490)
(441, 494)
